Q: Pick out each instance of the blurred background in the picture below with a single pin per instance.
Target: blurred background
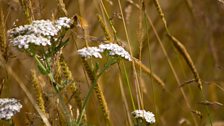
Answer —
(198, 25)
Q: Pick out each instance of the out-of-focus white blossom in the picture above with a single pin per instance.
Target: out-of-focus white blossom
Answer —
(39, 32)
(88, 52)
(149, 117)
(63, 22)
(9, 107)
(115, 49)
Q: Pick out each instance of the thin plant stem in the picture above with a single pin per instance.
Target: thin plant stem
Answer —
(171, 67)
(129, 86)
(86, 102)
(183, 51)
(138, 95)
(150, 67)
(100, 97)
(180, 47)
(124, 99)
(110, 21)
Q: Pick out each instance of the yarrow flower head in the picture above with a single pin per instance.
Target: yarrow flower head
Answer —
(149, 117)
(39, 32)
(115, 49)
(63, 22)
(9, 107)
(88, 52)
(25, 40)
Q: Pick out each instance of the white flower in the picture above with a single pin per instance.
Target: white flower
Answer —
(43, 27)
(25, 40)
(63, 22)
(37, 27)
(39, 32)
(149, 117)
(115, 49)
(9, 107)
(88, 52)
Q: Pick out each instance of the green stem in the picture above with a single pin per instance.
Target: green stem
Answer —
(129, 87)
(106, 66)
(47, 69)
(40, 64)
(86, 101)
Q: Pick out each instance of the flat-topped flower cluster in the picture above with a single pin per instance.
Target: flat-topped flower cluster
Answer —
(149, 117)
(9, 107)
(113, 49)
(39, 32)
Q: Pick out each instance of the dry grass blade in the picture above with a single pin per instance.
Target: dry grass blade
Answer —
(124, 99)
(179, 46)
(104, 28)
(64, 70)
(186, 83)
(149, 72)
(183, 51)
(110, 21)
(174, 47)
(209, 103)
(99, 93)
(168, 59)
(25, 90)
(28, 10)
(62, 7)
(3, 42)
(137, 87)
(39, 92)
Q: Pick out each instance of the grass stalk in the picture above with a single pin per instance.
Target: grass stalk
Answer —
(61, 5)
(183, 51)
(103, 26)
(98, 91)
(171, 67)
(27, 9)
(128, 84)
(108, 18)
(73, 86)
(150, 66)
(3, 42)
(39, 95)
(25, 90)
(180, 47)
(137, 87)
(124, 99)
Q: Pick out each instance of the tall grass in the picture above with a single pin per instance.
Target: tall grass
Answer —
(175, 68)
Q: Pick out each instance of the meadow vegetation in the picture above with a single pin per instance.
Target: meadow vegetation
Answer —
(111, 62)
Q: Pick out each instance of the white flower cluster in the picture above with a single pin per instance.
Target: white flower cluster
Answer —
(21, 41)
(9, 107)
(88, 52)
(149, 117)
(39, 32)
(114, 50)
(63, 22)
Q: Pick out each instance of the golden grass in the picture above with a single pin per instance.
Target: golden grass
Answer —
(156, 80)
(39, 93)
